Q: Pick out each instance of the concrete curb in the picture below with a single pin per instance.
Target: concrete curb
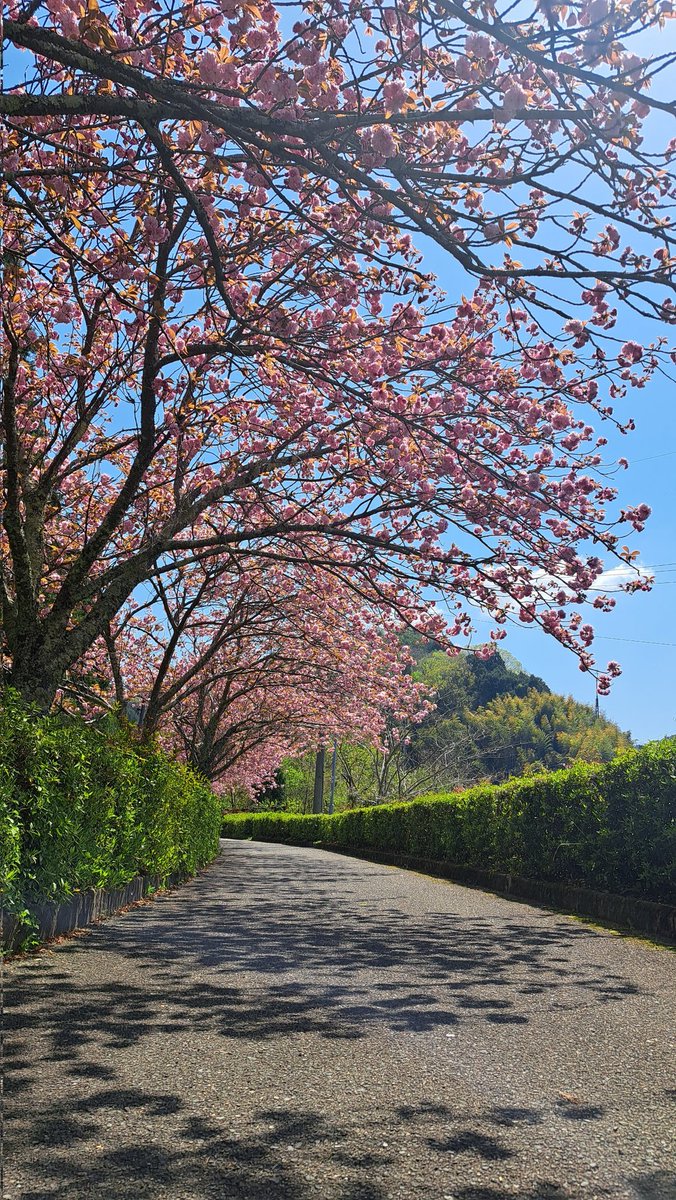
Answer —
(625, 912)
(55, 919)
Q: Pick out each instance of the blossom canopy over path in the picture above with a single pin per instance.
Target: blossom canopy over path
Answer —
(219, 340)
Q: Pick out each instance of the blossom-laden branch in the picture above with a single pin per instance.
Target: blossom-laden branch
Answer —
(236, 672)
(220, 339)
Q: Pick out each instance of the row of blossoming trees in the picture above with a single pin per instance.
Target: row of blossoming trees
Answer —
(246, 435)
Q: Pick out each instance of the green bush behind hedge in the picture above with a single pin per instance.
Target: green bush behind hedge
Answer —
(83, 806)
(610, 827)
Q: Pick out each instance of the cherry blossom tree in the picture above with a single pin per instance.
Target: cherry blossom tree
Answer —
(219, 339)
(236, 672)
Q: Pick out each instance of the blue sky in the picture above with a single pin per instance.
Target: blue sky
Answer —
(640, 633)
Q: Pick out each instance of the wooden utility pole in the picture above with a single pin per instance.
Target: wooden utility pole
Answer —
(318, 796)
(332, 792)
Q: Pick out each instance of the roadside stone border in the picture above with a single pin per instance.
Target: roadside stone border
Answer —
(82, 909)
(624, 912)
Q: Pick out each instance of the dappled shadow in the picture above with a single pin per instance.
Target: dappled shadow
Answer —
(470, 1142)
(328, 966)
(661, 1185)
(335, 964)
(161, 1148)
(293, 945)
(655, 1185)
(283, 1155)
(191, 1157)
(543, 1190)
(581, 1112)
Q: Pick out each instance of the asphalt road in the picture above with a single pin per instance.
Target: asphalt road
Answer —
(296, 1025)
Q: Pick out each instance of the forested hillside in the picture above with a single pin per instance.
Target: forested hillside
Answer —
(489, 720)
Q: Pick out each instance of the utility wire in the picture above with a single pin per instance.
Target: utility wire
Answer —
(652, 457)
(605, 637)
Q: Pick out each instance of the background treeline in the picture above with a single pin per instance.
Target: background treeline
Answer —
(85, 806)
(608, 827)
(491, 720)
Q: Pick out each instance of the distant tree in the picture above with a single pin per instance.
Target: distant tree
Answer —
(492, 719)
(539, 730)
(462, 683)
(418, 646)
(491, 677)
(237, 672)
(464, 739)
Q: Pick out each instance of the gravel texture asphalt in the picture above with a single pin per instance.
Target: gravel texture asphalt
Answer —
(298, 1025)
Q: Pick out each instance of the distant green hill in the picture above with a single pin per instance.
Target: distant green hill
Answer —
(492, 720)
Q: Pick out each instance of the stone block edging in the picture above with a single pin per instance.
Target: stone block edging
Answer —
(54, 919)
(626, 912)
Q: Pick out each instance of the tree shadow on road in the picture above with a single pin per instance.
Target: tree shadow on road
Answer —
(280, 955)
(269, 965)
(111, 1147)
(119, 1143)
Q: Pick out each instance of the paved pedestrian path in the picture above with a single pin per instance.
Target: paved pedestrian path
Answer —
(297, 1025)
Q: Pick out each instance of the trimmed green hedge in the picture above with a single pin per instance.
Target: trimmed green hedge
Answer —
(609, 827)
(89, 807)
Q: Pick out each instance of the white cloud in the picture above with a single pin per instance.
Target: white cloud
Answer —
(609, 581)
(614, 579)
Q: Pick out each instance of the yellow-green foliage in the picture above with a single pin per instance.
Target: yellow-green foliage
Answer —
(85, 807)
(610, 827)
(543, 731)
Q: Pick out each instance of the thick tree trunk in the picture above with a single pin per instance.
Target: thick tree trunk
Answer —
(36, 686)
(37, 672)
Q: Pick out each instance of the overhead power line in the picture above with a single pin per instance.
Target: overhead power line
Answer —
(604, 637)
(652, 457)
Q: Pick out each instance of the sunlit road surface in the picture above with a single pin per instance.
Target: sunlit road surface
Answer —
(297, 1025)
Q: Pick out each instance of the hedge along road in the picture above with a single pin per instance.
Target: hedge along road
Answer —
(297, 1025)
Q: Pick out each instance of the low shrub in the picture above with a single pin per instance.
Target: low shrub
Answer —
(85, 806)
(609, 827)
